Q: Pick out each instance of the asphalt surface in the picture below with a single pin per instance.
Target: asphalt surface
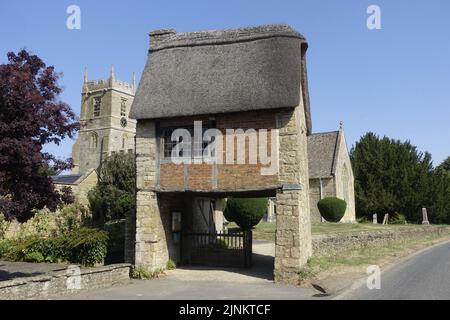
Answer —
(166, 288)
(425, 276)
(209, 283)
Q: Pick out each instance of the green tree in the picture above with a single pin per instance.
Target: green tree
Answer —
(444, 167)
(114, 195)
(439, 211)
(391, 177)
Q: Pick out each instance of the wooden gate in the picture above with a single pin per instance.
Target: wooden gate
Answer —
(218, 249)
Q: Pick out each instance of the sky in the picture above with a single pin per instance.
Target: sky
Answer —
(393, 81)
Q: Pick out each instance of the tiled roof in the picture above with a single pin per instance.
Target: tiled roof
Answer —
(322, 153)
(67, 179)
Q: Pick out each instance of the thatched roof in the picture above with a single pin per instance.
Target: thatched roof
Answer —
(322, 154)
(222, 71)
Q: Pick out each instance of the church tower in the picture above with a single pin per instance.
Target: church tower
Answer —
(105, 127)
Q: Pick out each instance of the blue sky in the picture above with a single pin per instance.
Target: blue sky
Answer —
(394, 81)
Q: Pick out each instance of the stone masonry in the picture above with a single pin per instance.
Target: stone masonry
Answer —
(293, 235)
(330, 172)
(105, 125)
(150, 243)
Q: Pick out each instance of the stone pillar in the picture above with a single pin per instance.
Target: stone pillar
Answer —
(375, 218)
(151, 243)
(293, 245)
(425, 216)
(151, 250)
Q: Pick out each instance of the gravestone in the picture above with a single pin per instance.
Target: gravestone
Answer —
(425, 216)
(386, 218)
(375, 218)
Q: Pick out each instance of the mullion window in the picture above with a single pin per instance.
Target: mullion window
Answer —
(168, 145)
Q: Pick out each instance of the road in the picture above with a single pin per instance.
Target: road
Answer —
(425, 276)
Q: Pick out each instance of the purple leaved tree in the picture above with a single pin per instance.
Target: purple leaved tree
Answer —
(31, 115)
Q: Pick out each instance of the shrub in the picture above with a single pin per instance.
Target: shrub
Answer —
(245, 212)
(3, 226)
(397, 218)
(45, 223)
(332, 209)
(142, 273)
(71, 217)
(84, 246)
(171, 265)
(5, 247)
(34, 257)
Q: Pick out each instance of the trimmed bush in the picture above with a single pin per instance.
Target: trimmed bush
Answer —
(332, 209)
(83, 246)
(245, 212)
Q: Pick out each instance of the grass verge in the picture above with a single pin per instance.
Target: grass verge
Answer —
(359, 259)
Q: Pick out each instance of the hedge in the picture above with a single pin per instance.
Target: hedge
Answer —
(83, 246)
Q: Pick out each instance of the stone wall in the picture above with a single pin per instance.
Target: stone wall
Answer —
(328, 190)
(329, 244)
(64, 282)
